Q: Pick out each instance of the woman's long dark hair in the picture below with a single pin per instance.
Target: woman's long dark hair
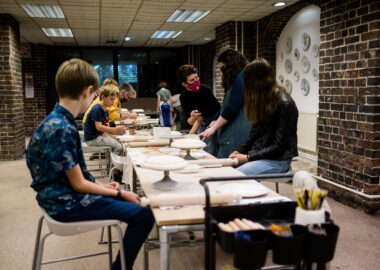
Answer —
(260, 91)
(235, 62)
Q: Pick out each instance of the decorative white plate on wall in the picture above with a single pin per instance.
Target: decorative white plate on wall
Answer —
(305, 64)
(296, 75)
(296, 54)
(288, 66)
(288, 86)
(305, 87)
(288, 45)
(281, 78)
(305, 41)
(315, 74)
(315, 50)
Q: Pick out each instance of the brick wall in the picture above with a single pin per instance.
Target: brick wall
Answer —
(349, 110)
(12, 137)
(35, 108)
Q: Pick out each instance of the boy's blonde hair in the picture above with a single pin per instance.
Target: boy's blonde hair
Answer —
(108, 90)
(110, 81)
(73, 76)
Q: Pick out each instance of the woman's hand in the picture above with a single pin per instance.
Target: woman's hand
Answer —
(195, 114)
(242, 158)
(207, 133)
(132, 115)
(130, 197)
(112, 185)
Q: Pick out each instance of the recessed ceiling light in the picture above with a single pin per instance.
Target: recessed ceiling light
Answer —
(207, 38)
(279, 4)
(43, 11)
(58, 32)
(127, 38)
(166, 34)
(189, 16)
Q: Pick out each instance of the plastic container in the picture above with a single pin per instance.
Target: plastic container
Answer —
(289, 250)
(305, 217)
(132, 130)
(321, 248)
(251, 255)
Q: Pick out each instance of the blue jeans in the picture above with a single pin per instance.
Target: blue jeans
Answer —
(140, 221)
(165, 111)
(265, 166)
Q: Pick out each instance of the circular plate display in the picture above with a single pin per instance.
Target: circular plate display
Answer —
(315, 50)
(315, 74)
(305, 87)
(188, 144)
(288, 65)
(245, 190)
(305, 41)
(305, 64)
(296, 75)
(164, 163)
(288, 45)
(281, 78)
(296, 54)
(288, 86)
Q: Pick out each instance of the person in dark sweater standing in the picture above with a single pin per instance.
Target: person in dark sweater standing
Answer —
(272, 141)
(198, 102)
(230, 128)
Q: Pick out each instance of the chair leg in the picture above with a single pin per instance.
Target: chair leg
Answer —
(37, 244)
(41, 250)
(121, 247)
(277, 189)
(109, 245)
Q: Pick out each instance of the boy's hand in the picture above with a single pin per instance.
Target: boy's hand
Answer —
(112, 185)
(120, 130)
(130, 197)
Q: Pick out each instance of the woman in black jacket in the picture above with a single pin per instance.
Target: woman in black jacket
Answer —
(272, 142)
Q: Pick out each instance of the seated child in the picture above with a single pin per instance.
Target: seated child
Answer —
(164, 100)
(97, 122)
(65, 188)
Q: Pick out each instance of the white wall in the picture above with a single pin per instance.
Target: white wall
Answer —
(306, 20)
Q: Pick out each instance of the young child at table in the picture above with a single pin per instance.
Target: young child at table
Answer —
(97, 122)
(65, 188)
(164, 100)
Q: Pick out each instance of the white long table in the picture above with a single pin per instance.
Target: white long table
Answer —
(173, 220)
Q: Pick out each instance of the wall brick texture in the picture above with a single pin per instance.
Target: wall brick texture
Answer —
(12, 135)
(35, 108)
(349, 110)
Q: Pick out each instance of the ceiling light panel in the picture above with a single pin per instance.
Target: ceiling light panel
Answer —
(43, 11)
(188, 16)
(58, 32)
(166, 34)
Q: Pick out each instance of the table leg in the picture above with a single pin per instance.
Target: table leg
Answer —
(164, 249)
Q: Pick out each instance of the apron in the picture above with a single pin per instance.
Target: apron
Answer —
(229, 137)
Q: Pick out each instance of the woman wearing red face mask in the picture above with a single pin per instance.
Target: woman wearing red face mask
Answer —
(199, 104)
(230, 128)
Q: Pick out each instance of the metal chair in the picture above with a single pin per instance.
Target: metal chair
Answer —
(73, 228)
(283, 178)
(97, 150)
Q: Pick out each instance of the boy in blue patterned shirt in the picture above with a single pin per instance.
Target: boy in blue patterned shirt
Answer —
(65, 188)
